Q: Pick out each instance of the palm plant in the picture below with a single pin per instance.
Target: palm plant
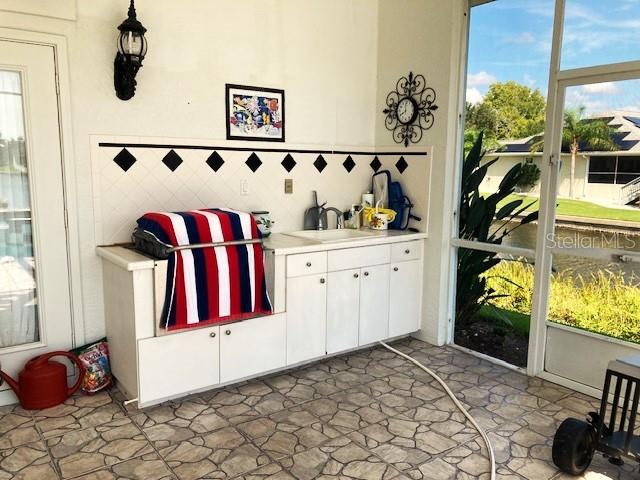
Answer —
(478, 218)
(580, 134)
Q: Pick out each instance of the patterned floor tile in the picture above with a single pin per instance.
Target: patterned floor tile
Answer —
(78, 412)
(30, 461)
(230, 404)
(174, 422)
(272, 471)
(342, 415)
(16, 427)
(83, 451)
(338, 458)
(299, 387)
(147, 467)
(406, 444)
(287, 432)
(367, 415)
(224, 453)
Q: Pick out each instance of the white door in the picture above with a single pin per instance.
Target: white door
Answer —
(168, 366)
(343, 310)
(253, 346)
(306, 317)
(374, 304)
(404, 308)
(35, 310)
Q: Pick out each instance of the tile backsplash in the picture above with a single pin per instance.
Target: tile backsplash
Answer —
(132, 176)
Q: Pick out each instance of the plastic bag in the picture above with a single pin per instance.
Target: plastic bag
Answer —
(95, 358)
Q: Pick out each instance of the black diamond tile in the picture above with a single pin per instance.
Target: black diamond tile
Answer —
(215, 161)
(125, 159)
(348, 164)
(253, 162)
(401, 165)
(172, 160)
(320, 163)
(375, 164)
(288, 163)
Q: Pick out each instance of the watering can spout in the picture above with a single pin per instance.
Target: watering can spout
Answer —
(11, 382)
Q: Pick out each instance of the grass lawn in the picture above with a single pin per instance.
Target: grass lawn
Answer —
(580, 208)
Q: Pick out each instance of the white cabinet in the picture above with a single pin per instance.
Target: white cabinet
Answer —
(252, 346)
(343, 310)
(177, 364)
(374, 304)
(306, 317)
(406, 294)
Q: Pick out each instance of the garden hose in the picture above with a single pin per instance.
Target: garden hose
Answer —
(457, 403)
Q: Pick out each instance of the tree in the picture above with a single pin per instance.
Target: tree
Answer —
(509, 110)
(581, 134)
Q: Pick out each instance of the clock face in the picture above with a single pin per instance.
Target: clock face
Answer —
(406, 110)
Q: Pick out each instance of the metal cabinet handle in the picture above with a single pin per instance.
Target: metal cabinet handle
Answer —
(227, 332)
(395, 269)
(322, 280)
(366, 274)
(308, 264)
(407, 251)
(355, 275)
(212, 334)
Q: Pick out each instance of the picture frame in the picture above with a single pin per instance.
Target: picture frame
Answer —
(255, 113)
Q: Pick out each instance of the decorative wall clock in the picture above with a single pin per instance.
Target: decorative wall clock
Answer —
(410, 109)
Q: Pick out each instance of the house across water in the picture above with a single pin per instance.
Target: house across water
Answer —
(602, 176)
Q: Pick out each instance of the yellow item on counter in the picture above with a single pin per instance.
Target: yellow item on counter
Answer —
(369, 211)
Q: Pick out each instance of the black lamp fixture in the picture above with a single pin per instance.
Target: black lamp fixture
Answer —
(132, 47)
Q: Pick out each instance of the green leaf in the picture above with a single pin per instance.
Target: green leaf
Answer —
(507, 209)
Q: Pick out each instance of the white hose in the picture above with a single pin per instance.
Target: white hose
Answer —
(492, 459)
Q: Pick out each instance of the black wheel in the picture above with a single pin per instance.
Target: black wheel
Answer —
(573, 446)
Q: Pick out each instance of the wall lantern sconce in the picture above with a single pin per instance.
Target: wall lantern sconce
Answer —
(132, 47)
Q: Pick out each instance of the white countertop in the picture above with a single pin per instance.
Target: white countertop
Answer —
(276, 244)
(283, 244)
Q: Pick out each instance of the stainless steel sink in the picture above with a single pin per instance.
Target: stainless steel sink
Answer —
(331, 236)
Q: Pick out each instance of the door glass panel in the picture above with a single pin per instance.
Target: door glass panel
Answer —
(493, 304)
(599, 174)
(507, 75)
(598, 295)
(598, 212)
(599, 32)
(18, 300)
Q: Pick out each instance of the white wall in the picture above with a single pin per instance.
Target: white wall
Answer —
(424, 36)
(324, 53)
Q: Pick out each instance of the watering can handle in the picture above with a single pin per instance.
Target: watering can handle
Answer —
(75, 359)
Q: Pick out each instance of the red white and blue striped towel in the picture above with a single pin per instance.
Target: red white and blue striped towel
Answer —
(212, 284)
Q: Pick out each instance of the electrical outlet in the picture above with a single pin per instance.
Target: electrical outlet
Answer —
(288, 185)
(244, 187)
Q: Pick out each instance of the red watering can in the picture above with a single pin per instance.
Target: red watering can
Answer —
(43, 383)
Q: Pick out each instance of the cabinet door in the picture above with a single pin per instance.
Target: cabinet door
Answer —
(406, 296)
(176, 364)
(343, 310)
(374, 304)
(306, 317)
(252, 346)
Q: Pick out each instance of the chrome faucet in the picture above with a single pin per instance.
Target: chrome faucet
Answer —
(339, 217)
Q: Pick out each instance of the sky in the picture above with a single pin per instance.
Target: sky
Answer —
(511, 40)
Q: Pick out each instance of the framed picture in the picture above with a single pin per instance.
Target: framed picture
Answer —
(255, 113)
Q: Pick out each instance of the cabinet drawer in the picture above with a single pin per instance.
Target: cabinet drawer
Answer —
(358, 257)
(177, 364)
(402, 252)
(306, 264)
(252, 346)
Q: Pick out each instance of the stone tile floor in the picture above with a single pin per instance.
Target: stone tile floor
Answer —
(365, 415)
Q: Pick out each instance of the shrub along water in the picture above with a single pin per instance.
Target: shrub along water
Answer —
(603, 302)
